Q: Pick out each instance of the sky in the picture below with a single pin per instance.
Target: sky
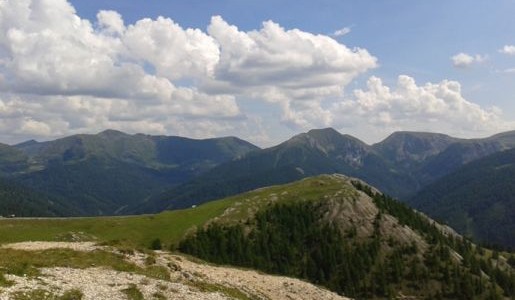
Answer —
(259, 70)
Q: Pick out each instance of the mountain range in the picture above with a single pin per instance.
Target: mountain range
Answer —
(104, 173)
(113, 173)
(400, 165)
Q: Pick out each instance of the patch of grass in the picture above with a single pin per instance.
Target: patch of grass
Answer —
(18, 267)
(156, 244)
(158, 272)
(36, 294)
(158, 296)
(133, 293)
(150, 259)
(20, 263)
(4, 282)
(216, 288)
(73, 294)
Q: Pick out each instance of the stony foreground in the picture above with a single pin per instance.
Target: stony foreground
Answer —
(188, 280)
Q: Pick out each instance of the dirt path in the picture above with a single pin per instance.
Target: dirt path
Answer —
(36, 246)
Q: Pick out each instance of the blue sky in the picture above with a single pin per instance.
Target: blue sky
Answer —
(423, 65)
(407, 36)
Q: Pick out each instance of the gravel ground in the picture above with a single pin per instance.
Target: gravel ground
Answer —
(100, 283)
(257, 284)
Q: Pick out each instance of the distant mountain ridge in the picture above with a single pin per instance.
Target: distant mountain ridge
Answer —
(400, 165)
(117, 173)
(12, 160)
(145, 150)
(105, 173)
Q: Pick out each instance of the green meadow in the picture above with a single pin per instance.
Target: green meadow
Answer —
(140, 230)
(168, 226)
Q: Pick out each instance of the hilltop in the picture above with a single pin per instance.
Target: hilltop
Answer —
(331, 230)
(345, 235)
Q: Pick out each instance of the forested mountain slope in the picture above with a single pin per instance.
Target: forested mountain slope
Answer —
(105, 173)
(478, 200)
(22, 201)
(340, 233)
(400, 165)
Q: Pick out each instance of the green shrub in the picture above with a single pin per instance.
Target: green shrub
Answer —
(72, 295)
(156, 244)
(133, 293)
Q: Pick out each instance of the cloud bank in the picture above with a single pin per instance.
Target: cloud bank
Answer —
(62, 74)
(438, 107)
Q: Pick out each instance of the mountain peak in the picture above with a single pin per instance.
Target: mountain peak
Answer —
(112, 132)
(415, 134)
(329, 131)
(26, 143)
(412, 145)
(507, 139)
(326, 139)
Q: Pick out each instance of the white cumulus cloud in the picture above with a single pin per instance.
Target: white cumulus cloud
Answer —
(174, 52)
(436, 107)
(464, 60)
(341, 32)
(111, 22)
(62, 74)
(285, 58)
(285, 67)
(508, 49)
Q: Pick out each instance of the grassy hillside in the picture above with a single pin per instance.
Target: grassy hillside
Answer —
(169, 226)
(330, 230)
(139, 231)
(344, 235)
